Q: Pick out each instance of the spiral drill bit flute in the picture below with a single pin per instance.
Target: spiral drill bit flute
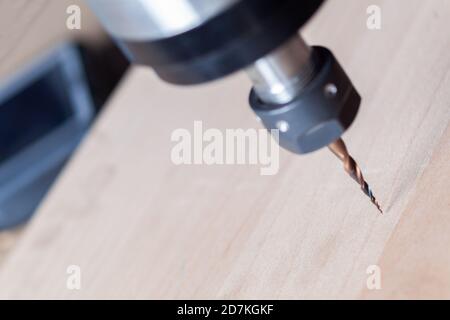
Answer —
(300, 90)
(351, 167)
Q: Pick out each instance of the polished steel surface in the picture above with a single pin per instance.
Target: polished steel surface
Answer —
(145, 20)
(282, 74)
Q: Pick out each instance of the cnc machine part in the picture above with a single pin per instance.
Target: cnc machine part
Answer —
(305, 94)
(300, 90)
(281, 75)
(194, 41)
(320, 109)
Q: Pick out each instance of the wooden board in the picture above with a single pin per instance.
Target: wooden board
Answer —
(141, 227)
(28, 27)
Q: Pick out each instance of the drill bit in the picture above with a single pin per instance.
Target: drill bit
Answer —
(351, 167)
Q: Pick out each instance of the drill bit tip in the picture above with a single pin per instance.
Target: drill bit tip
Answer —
(372, 197)
(351, 167)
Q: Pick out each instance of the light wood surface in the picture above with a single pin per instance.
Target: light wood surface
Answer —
(28, 27)
(141, 227)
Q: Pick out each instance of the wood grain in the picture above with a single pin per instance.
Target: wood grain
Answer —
(28, 27)
(141, 227)
(416, 257)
